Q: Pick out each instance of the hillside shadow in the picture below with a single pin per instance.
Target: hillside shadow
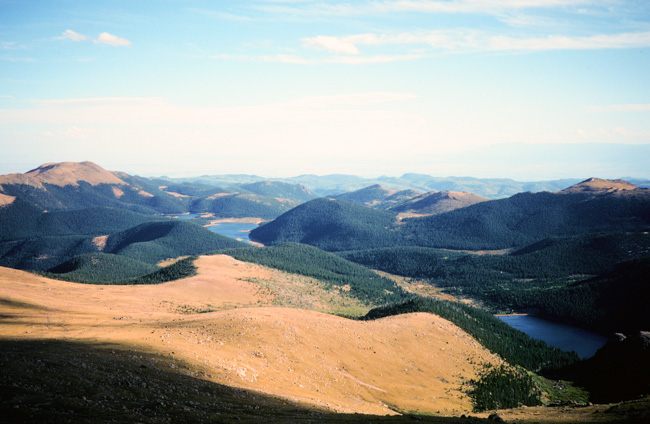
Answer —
(60, 381)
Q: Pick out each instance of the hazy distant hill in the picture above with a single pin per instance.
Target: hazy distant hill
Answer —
(239, 205)
(379, 197)
(294, 192)
(410, 202)
(337, 184)
(70, 185)
(438, 202)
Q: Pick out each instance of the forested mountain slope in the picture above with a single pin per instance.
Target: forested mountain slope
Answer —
(506, 223)
(330, 225)
(148, 242)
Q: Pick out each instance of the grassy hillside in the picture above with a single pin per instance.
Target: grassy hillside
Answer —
(296, 258)
(512, 345)
(330, 225)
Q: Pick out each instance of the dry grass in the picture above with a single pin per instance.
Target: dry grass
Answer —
(409, 363)
(414, 362)
(6, 200)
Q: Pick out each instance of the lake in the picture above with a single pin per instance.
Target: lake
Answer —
(236, 230)
(566, 337)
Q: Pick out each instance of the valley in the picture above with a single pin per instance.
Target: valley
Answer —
(374, 301)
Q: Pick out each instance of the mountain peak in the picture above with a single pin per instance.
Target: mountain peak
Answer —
(598, 186)
(70, 173)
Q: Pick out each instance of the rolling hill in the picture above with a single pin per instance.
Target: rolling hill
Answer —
(295, 192)
(330, 225)
(71, 185)
(436, 202)
(149, 242)
(379, 197)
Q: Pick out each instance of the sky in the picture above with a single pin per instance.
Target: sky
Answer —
(523, 89)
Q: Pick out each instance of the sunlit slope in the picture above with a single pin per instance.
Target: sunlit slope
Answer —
(405, 363)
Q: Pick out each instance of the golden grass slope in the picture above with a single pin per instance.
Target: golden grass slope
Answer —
(415, 362)
(63, 174)
(598, 186)
(6, 200)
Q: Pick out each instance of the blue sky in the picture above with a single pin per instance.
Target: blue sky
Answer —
(280, 88)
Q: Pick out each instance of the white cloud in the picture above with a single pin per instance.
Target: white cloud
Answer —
(331, 44)
(111, 40)
(69, 34)
(472, 40)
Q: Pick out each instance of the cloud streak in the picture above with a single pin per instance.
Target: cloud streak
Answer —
(69, 34)
(472, 40)
(111, 40)
(331, 44)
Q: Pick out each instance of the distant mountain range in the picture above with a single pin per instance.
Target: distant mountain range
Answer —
(69, 185)
(337, 184)
(592, 205)
(410, 202)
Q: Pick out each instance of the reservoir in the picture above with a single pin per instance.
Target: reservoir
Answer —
(235, 230)
(566, 337)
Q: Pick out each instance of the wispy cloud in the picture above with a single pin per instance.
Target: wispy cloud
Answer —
(18, 59)
(111, 40)
(69, 34)
(472, 40)
(331, 44)
(11, 45)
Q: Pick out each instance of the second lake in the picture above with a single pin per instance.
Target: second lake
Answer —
(566, 337)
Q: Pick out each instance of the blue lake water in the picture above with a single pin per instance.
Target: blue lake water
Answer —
(566, 337)
(236, 230)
